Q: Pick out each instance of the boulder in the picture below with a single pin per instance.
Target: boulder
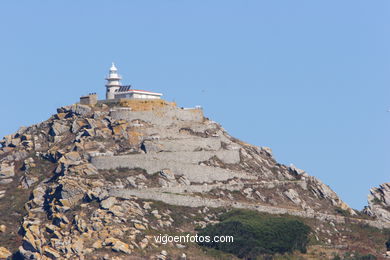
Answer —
(167, 178)
(267, 150)
(167, 174)
(89, 169)
(81, 110)
(7, 170)
(293, 196)
(77, 125)
(58, 129)
(296, 170)
(17, 155)
(4, 253)
(15, 142)
(139, 226)
(72, 190)
(64, 109)
(69, 159)
(52, 253)
(27, 181)
(117, 245)
(131, 181)
(72, 156)
(38, 196)
(28, 163)
(60, 116)
(108, 203)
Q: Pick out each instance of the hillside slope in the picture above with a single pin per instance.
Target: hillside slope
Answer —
(100, 181)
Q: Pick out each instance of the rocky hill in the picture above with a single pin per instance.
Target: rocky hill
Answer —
(379, 202)
(98, 182)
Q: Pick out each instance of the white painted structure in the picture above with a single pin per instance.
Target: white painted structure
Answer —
(115, 90)
(126, 92)
(113, 82)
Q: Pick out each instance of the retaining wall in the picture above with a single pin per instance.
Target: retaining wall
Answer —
(164, 116)
(195, 173)
(195, 201)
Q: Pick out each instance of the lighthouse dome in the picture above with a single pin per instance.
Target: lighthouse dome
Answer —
(113, 68)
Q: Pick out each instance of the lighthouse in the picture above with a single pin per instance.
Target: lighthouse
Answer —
(113, 82)
(116, 91)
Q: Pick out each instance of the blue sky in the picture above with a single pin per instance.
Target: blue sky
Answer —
(310, 79)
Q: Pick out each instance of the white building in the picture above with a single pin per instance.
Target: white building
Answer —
(113, 82)
(116, 90)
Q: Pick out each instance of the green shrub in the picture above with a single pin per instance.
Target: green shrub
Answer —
(342, 212)
(388, 245)
(257, 234)
(377, 201)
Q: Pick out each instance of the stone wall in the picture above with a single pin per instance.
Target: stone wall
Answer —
(196, 201)
(183, 145)
(162, 117)
(226, 156)
(194, 173)
(90, 99)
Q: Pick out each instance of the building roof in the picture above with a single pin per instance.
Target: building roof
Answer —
(128, 89)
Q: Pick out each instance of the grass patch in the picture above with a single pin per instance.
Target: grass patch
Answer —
(354, 256)
(342, 212)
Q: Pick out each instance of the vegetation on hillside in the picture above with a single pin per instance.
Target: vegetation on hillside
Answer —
(257, 234)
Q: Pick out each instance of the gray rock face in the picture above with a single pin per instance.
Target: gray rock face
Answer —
(7, 170)
(296, 170)
(322, 190)
(72, 191)
(58, 129)
(27, 181)
(108, 203)
(78, 109)
(293, 196)
(81, 109)
(379, 202)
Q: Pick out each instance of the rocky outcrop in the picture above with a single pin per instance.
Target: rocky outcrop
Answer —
(379, 202)
(322, 190)
(58, 129)
(7, 172)
(102, 178)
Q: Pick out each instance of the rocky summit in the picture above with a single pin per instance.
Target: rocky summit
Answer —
(101, 181)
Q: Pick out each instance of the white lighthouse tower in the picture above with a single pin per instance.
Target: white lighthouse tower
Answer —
(113, 82)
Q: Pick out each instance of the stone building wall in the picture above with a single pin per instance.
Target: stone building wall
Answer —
(90, 99)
